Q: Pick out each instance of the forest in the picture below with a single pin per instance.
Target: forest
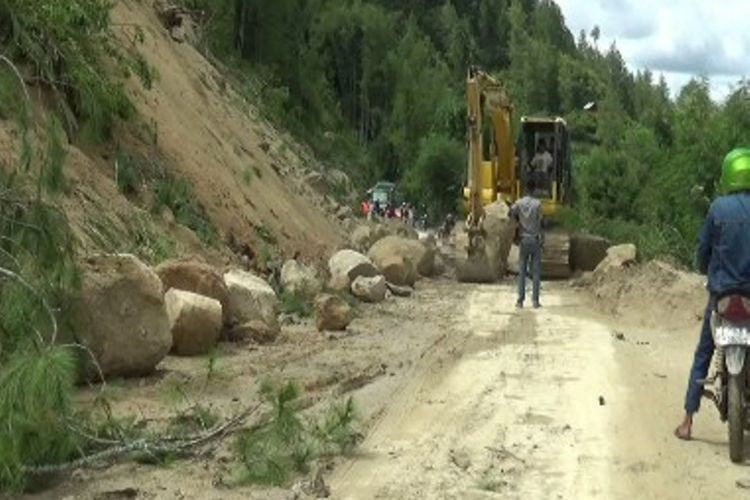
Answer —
(376, 86)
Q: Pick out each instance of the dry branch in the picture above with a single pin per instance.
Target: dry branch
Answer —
(121, 449)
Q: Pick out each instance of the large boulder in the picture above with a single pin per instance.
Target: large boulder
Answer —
(514, 260)
(347, 265)
(192, 275)
(195, 322)
(421, 255)
(587, 251)
(398, 270)
(499, 231)
(332, 313)
(299, 279)
(317, 182)
(361, 238)
(121, 316)
(617, 257)
(370, 289)
(251, 298)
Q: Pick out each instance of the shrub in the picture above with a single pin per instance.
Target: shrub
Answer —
(273, 453)
(69, 47)
(35, 401)
(294, 303)
(178, 195)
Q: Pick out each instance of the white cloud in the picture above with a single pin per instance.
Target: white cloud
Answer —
(677, 38)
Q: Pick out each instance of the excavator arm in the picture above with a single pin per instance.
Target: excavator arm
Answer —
(496, 177)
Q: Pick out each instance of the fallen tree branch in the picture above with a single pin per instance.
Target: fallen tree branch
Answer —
(153, 448)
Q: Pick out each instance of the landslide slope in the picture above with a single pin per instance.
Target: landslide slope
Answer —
(191, 125)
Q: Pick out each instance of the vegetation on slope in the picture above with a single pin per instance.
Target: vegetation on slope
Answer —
(64, 49)
(377, 85)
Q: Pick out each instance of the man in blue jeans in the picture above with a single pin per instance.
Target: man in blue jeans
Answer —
(528, 212)
(724, 255)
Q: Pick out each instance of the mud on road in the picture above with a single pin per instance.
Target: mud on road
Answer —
(551, 404)
(461, 397)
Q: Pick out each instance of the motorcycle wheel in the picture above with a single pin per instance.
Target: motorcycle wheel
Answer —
(736, 416)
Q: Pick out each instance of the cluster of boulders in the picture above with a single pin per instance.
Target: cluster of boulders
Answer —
(131, 316)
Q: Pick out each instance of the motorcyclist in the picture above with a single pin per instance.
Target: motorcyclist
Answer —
(724, 255)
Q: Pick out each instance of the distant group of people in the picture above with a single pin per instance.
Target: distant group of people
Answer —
(373, 209)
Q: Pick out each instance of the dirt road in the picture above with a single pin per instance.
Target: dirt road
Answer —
(461, 397)
(550, 404)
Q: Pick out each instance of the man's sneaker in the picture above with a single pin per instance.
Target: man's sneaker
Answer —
(537, 305)
(519, 305)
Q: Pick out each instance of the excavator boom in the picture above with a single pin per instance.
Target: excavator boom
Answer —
(485, 98)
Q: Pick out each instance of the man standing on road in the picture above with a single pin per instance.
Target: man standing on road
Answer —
(724, 255)
(528, 212)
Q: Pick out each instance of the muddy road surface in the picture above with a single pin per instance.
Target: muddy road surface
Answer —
(461, 396)
(552, 404)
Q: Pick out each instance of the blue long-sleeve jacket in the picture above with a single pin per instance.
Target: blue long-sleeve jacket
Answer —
(724, 250)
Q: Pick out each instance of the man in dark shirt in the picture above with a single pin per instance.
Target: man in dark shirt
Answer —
(528, 212)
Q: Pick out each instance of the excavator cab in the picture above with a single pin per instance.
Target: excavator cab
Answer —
(544, 155)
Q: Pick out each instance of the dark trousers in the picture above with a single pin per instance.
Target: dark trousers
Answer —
(701, 362)
(531, 256)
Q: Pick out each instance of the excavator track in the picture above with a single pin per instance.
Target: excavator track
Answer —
(556, 256)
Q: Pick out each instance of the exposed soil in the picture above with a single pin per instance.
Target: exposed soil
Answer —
(191, 124)
(558, 403)
(461, 396)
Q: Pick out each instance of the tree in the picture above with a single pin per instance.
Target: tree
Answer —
(437, 179)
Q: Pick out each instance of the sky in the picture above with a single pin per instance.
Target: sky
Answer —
(677, 38)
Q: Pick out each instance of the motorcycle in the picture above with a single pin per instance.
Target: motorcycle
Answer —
(730, 325)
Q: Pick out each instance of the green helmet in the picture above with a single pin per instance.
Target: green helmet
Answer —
(735, 174)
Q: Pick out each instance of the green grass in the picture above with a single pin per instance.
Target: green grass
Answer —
(296, 304)
(11, 95)
(215, 369)
(178, 195)
(267, 235)
(492, 485)
(149, 242)
(266, 256)
(247, 176)
(129, 175)
(274, 453)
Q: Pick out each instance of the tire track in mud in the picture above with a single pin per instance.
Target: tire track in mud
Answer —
(501, 408)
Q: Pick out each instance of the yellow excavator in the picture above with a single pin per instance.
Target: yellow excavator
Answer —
(498, 169)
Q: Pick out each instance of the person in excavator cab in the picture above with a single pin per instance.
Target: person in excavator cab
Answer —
(541, 165)
(724, 256)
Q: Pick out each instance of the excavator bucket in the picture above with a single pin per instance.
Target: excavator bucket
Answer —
(475, 269)
(479, 262)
